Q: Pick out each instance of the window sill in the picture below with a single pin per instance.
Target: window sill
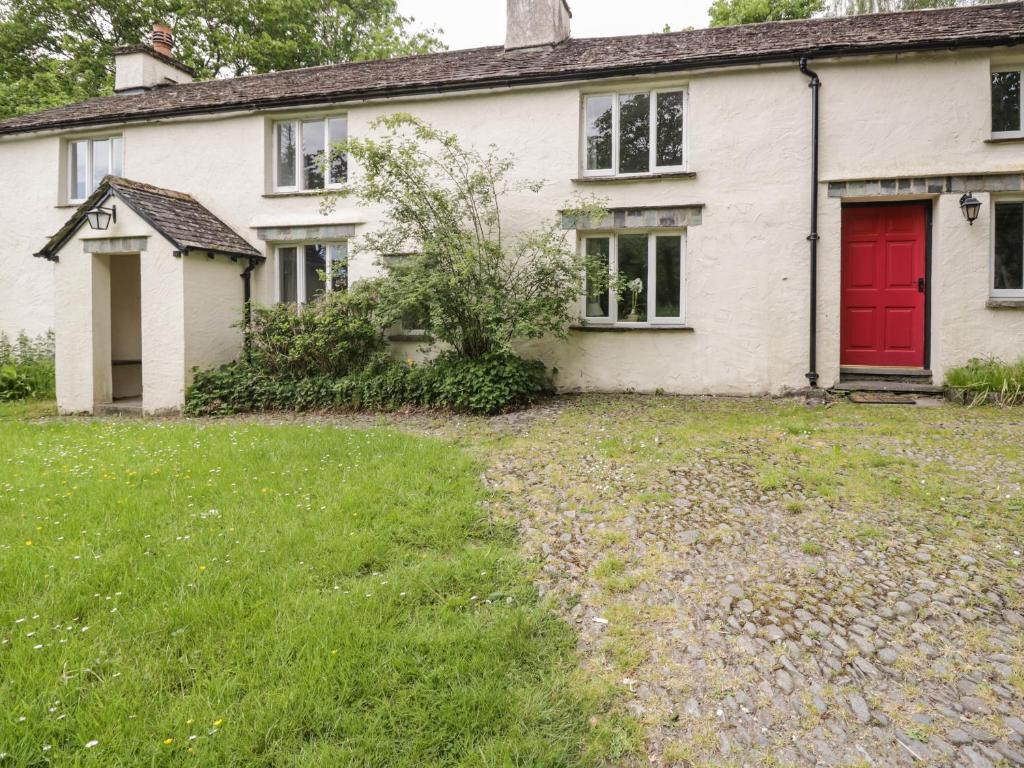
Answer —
(1005, 138)
(644, 177)
(625, 328)
(408, 336)
(1005, 303)
(305, 192)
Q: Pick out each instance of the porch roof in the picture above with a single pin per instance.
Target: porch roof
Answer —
(180, 218)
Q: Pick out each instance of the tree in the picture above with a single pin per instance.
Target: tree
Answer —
(60, 51)
(475, 288)
(857, 7)
(726, 13)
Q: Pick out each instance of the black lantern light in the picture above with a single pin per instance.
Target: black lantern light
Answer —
(100, 217)
(971, 206)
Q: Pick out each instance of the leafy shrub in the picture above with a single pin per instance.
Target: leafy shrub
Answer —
(332, 336)
(984, 380)
(489, 385)
(26, 368)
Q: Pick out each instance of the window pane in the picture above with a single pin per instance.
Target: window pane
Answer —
(633, 277)
(117, 156)
(634, 133)
(100, 162)
(670, 128)
(316, 268)
(313, 154)
(599, 252)
(79, 170)
(668, 270)
(599, 133)
(1006, 101)
(339, 267)
(285, 152)
(289, 288)
(1009, 248)
(338, 130)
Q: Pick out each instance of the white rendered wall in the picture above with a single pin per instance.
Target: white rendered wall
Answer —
(747, 263)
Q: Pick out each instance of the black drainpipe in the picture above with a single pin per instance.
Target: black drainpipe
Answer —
(815, 86)
(247, 309)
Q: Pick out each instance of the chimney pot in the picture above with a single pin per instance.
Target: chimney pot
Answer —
(163, 39)
(536, 23)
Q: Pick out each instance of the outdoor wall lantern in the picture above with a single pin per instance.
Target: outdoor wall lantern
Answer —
(971, 206)
(100, 217)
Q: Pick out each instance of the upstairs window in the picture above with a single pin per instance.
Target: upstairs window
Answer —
(634, 133)
(647, 268)
(304, 158)
(89, 160)
(1006, 103)
(305, 272)
(1008, 250)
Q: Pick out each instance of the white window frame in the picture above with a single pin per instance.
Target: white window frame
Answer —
(653, 167)
(69, 167)
(1000, 293)
(613, 267)
(296, 123)
(300, 277)
(1019, 133)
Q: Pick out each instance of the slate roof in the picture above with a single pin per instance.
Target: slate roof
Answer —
(180, 218)
(987, 25)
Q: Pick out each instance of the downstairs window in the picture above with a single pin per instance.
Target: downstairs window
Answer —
(307, 271)
(647, 269)
(1008, 250)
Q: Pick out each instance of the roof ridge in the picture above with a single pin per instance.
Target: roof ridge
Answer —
(141, 186)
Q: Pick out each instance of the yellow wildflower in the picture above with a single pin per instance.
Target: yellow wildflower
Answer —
(217, 723)
(168, 742)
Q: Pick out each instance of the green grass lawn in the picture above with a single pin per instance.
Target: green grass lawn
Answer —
(183, 594)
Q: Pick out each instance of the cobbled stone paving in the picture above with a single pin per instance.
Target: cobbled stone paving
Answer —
(777, 585)
(771, 584)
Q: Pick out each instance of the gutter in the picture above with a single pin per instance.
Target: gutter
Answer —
(812, 238)
(371, 94)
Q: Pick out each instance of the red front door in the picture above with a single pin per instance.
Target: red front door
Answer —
(883, 269)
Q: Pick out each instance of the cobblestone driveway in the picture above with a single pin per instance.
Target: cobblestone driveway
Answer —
(775, 585)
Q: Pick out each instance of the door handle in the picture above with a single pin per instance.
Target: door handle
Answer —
(920, 285)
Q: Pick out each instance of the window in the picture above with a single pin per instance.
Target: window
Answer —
(634, 133)
(307, 271)
(648, 270)
(1006, 103)
(1008, 250)
(303, 154)
(89, 160)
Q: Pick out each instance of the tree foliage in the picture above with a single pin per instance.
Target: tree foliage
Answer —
(55, 52)
(727, 13)
(856, 7)
(472, 285)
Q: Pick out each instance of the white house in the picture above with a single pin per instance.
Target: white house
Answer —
(703, 143)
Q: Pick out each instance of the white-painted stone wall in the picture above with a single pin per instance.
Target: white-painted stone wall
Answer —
(747, 263)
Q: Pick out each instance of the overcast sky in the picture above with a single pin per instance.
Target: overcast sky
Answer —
(471, 23)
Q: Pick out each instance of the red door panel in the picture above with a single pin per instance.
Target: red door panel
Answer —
(882, 312)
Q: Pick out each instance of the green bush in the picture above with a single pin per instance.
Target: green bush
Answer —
(488, 385)
(984, 380)
(332, 336)
(26, 368)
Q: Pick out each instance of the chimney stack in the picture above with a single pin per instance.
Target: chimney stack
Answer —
(163, 40)
(537, 23)
(141, 67)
